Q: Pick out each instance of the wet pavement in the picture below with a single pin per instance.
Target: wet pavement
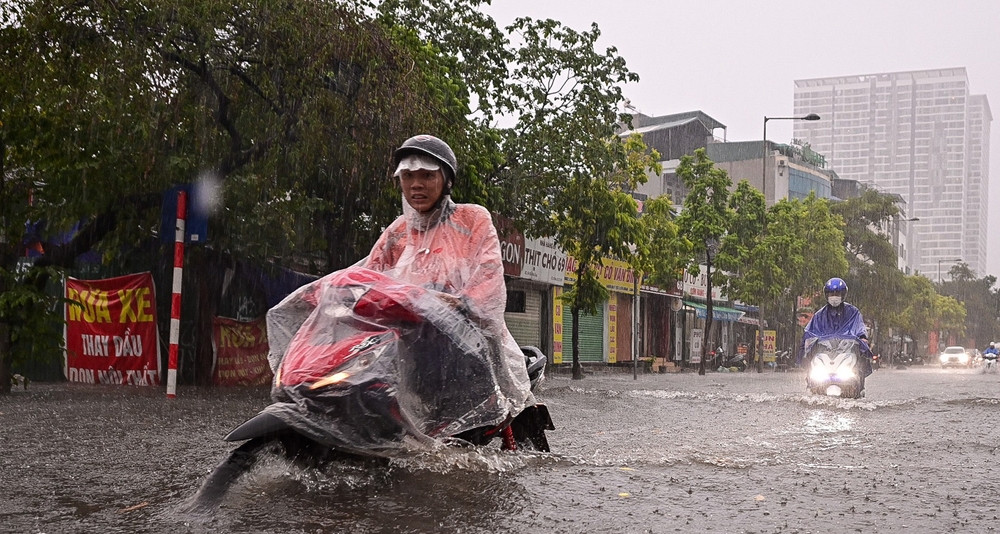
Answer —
(725, 452)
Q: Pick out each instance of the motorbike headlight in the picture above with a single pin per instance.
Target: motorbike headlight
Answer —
(818, 373)
(332, 379)
(845, 373)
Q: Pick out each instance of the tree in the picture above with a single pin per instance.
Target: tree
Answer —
(802, 247)
(704, 221)
(293, 107)
(873, 269)
(666, 255)
(593, 217)
(976, 294)
(566, 172)
(815, 240)
(740, 253)
(926, 310)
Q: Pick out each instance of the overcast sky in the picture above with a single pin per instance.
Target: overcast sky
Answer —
(737, 60)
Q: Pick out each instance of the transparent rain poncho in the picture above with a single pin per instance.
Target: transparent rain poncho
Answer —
(426, 309)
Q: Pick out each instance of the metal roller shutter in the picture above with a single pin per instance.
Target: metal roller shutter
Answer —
(526, 326)
(591, 336)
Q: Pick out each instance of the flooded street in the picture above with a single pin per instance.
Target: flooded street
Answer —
(726, 452)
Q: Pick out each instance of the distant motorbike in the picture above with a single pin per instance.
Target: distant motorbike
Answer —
(380, 368)
(836, 366)
(909, 359)
(876, 361)
(989, 362)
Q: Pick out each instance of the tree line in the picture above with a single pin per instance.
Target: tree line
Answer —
(293, 107)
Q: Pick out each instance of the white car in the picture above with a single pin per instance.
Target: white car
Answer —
(954, 357)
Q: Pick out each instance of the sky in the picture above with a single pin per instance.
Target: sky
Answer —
(737, 60)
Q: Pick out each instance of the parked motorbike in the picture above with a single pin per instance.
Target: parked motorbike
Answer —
(381, 368)
(783, 360)
(739, 361)
(836, 366)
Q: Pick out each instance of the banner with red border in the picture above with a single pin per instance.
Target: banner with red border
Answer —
(110, 331)
(240, 351)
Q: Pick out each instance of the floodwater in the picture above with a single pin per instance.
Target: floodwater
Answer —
(725, 452)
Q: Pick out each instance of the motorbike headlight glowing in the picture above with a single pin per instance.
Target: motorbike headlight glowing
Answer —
(332, 379)
(818, 373)
(845, 373)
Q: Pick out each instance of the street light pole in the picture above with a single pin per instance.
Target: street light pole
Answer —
(939, 267)
(763, 231)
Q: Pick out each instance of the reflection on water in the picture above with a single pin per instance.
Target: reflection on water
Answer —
(831, 431)
(825, 422)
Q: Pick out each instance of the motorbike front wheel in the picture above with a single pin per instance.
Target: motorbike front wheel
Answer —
(242, 459)
(239, 461)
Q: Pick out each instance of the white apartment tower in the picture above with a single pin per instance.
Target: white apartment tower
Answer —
(919, 134)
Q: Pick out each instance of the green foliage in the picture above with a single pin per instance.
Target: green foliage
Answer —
(564, 97)
(741, 254)
(918, 314)
(31, 316)
(293, 109)
(925, 310)
(982, 322)
(667, 252)
(819, 239)
(873, 272)
(704, 220)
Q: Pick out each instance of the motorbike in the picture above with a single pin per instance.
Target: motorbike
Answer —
(739, 361)
(783, 360)
(379, 369)
(989, 362)
(836, 366)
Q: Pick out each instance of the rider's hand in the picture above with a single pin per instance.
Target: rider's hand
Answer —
(451, 300)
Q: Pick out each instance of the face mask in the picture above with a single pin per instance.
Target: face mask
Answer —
(834, 300)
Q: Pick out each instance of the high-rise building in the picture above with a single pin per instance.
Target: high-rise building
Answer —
(919, 134)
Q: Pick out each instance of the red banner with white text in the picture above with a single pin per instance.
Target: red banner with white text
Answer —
(240, 349)
(110, 331)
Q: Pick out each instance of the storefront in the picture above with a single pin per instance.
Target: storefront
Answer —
(606, 335)
(527, 313)
(658, 320)
(534, 269)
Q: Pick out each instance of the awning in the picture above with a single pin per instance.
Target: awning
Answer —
(719, 313)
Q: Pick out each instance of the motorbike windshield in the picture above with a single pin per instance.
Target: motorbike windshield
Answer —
(428, 354)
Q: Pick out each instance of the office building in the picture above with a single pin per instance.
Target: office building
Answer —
(919, 134)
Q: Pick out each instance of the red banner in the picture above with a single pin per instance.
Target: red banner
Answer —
(240, 350)
(110, 331)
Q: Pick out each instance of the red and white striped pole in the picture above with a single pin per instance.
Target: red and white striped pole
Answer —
(175, 301)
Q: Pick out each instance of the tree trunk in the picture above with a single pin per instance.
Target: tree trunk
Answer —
(6, 358)
(577, 368)
(708, 317)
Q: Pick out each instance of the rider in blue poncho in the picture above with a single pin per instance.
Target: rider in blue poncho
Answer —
(838, 318)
